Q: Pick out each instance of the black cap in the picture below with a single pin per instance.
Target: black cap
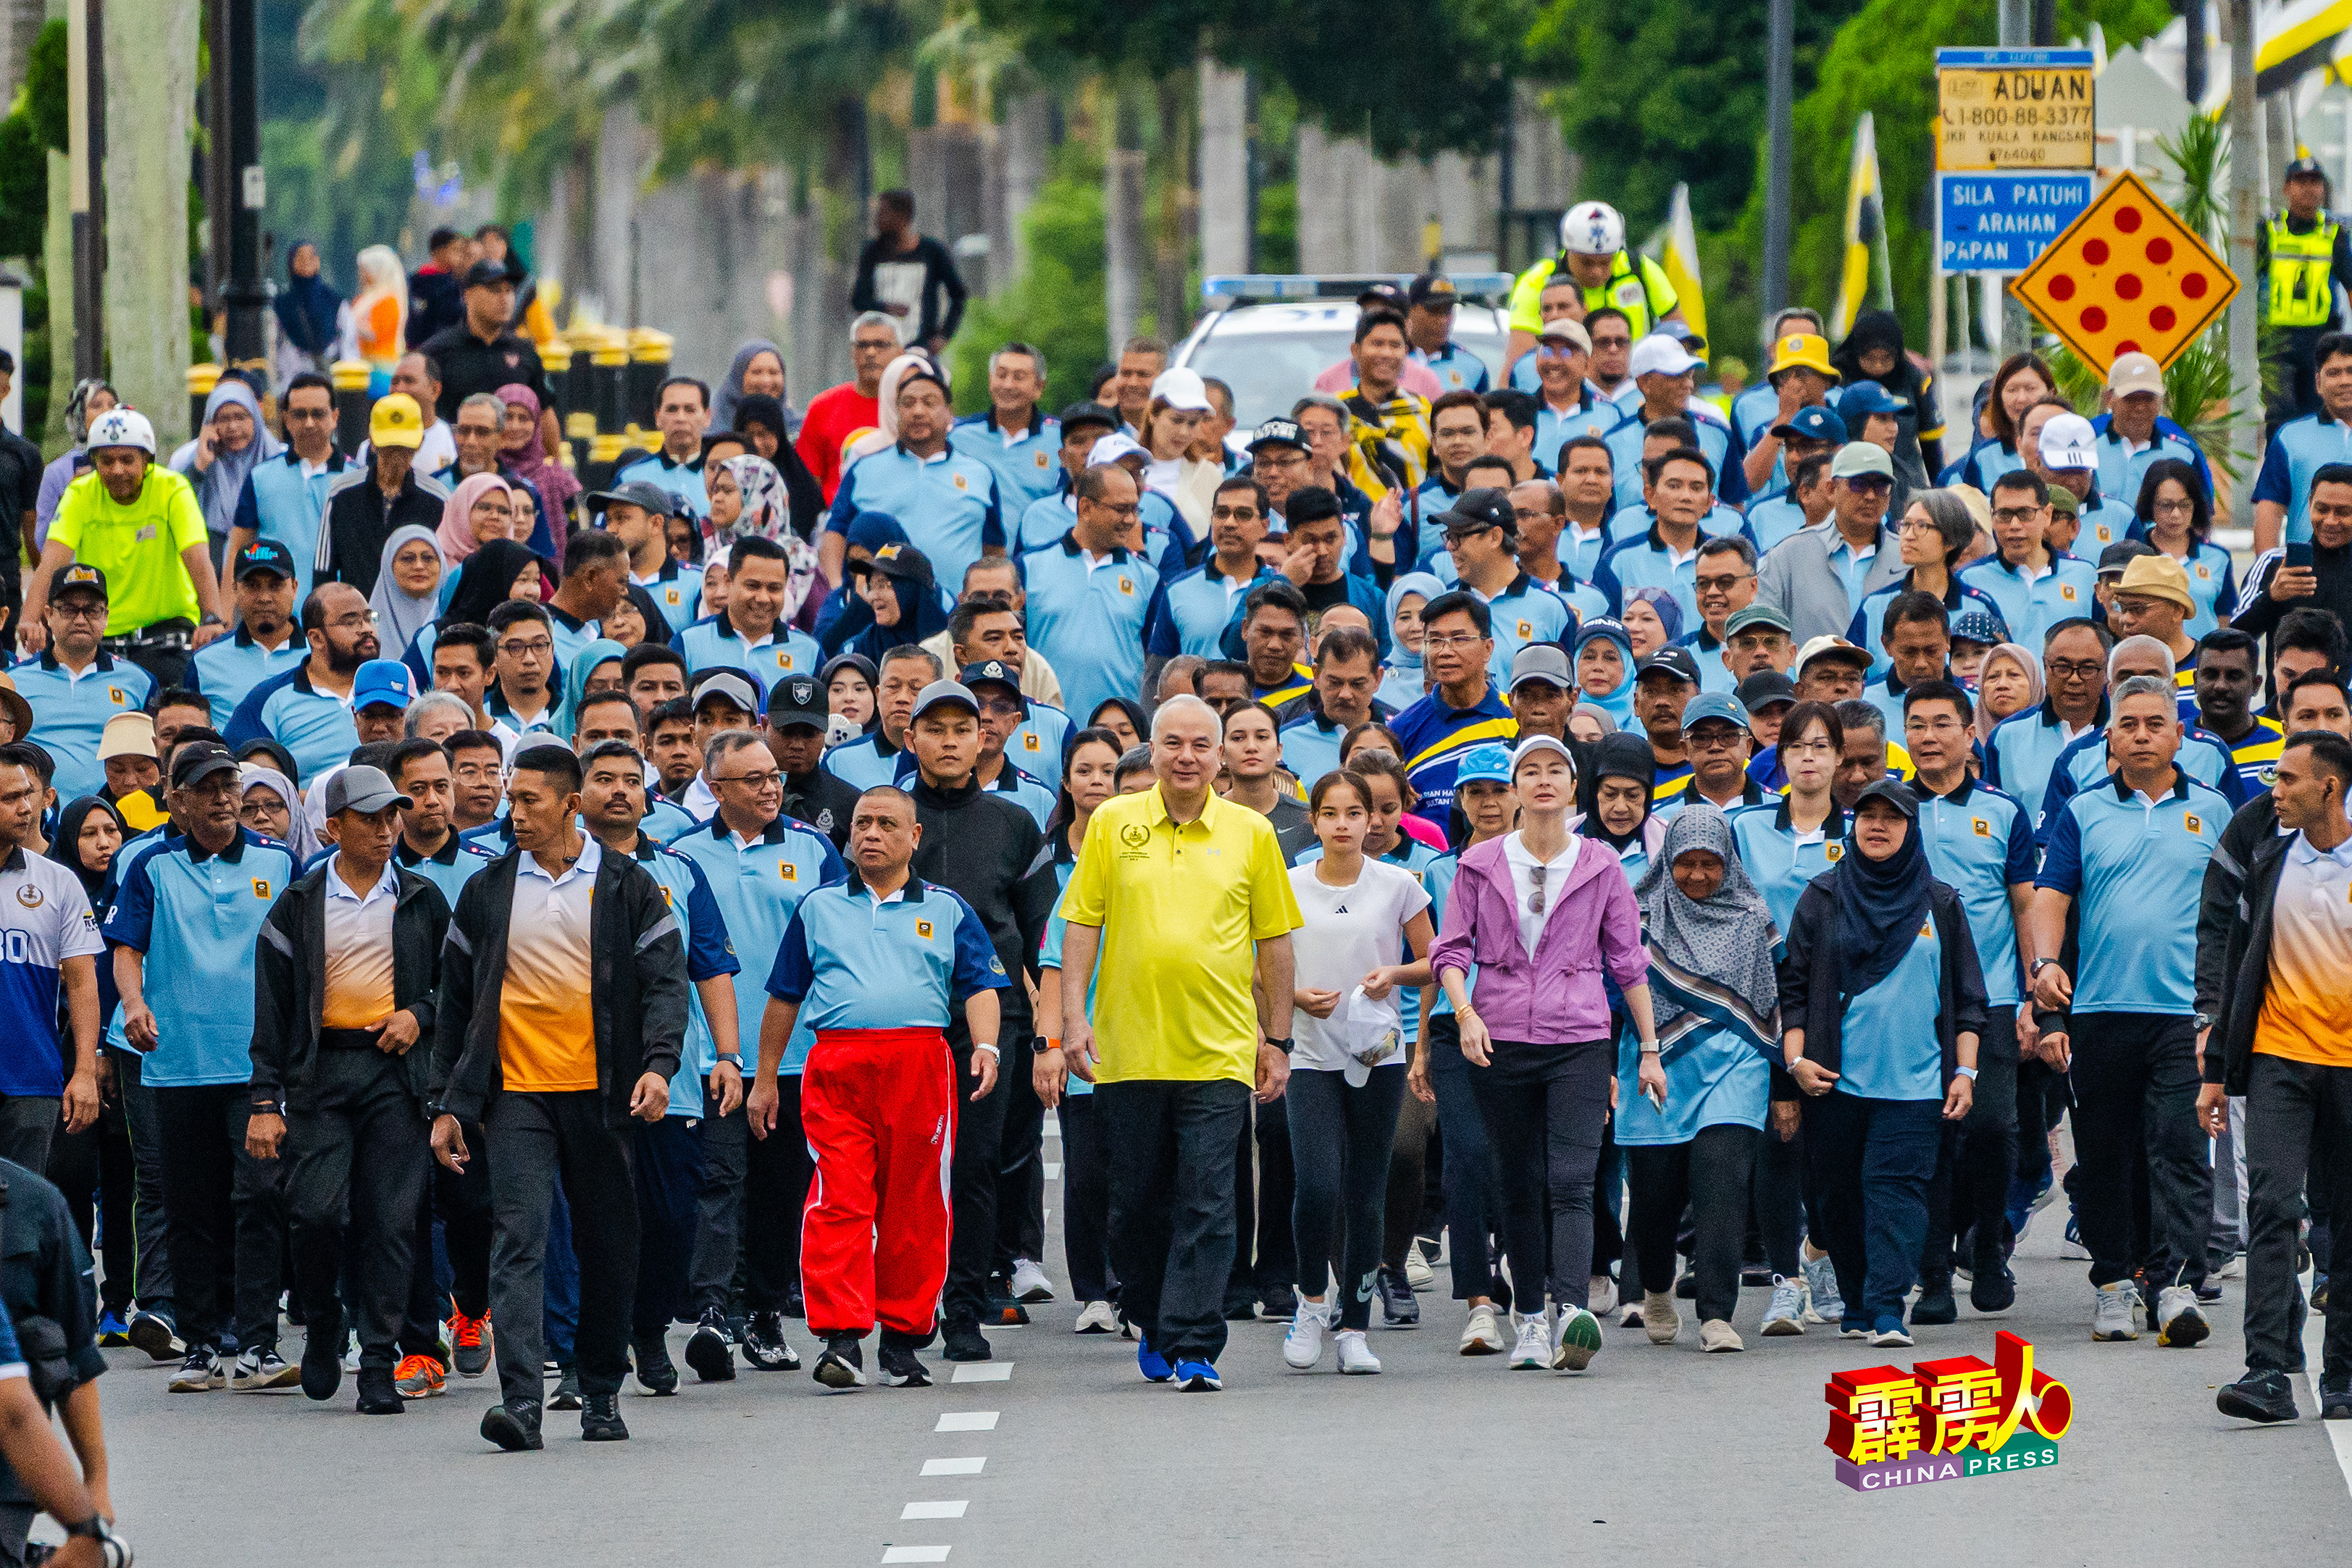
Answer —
(1894, 792)
(1386, 295)
(79, 574)
(993, 673)
(200, 761)
(2305, 169)
(1766, 687)
(265, 555)
(1084, 414)
(1475, 510)
(798, 699)
(2121, 554)
(487, 274)
(1676, 661)
(1277, 433)
(1431, 289)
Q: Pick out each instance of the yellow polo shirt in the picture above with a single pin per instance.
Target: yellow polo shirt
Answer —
(1182, 909)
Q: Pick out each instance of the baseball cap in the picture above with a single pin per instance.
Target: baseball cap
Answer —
(395, 420)
(1277, 433)
(1475, 511)
(1762, 689)
(2063, 500)
(799, 700)
(2067, 442)
(1535, 745)
(364, 790)
(265, 555)
(1812, 423)
(734, 687)
(1801, 351)
(1387, 295)
(1433, 289)
(81, 574)
(2118, 556)
(1607, 626)
(940, 692)
(385, 681)
(994, 673)
(640, 493)
(1894, 792)
(2306, 169)
(1114, 446)
(487, 274)
(1828, 648)
(1085, 413)
(904, 563)
(1856, 458)
(195, 763)
(1675, 661)
(1180, 387)
(1864, 398)
(1564, 330)
(127, 735)
(1755, 615)
(1661, 355)
(2135, 373)
(2157, 576)
(1541, 662)
(1715, 705)
(1974, 626)
(1490, 763)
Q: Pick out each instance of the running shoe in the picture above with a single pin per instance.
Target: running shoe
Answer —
(1575, 1340)
(710, 1349)
(1029, 1282)
(322, 1374)
(1302, 1344)
(1197, 1377)
(201, 1372)
(1482, 1334)
(1533, 1351)
(656, 1374)
(2266, 1397)
(1888, 1331)
(380, 1393)
(899, 1367)
(2071, 1248)
(1356, 1358)
(1400, 1309)
(1935, 1304)
(567, 1389)
(2336, 1398)
(416, 1377)
(600, 1419)
(2178, 1323)
(1659, 1317)
(965, 1342)
(842, 1368)
(1993, 1290)
(470, 1343)
(152, 1332)
(764, 1345)
(258, 1370)
(1151, 1362)
(514, 1428)
(2111, 1312)
(111, 1331)
(1824, 1302)
(1715, 1337)
(1418, 1274)
(1786, 1314)
(1601, 1294)
(1097, 1317)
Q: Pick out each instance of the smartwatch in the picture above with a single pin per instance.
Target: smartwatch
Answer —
(731, 1059)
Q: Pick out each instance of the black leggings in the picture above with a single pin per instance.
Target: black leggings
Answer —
(1085, 1198)
(1710, 1174)
(1340, 1136)
(1544, 1106)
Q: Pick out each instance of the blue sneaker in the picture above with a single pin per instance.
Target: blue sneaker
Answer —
(1197, 1377)
(112, 1329)
(1852, 1325)
(1151, 1362)
(1889, 1330)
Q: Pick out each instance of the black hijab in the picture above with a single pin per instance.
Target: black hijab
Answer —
(804, 496)
(483, 583)
(1619, 757)
(1880, 904)
(66, 845)
(1877, 330)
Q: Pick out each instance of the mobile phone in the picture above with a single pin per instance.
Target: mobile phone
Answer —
(2299, 555)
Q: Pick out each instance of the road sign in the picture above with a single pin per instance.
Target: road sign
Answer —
(1999, 222)
(2013, 109)
(2126, 276)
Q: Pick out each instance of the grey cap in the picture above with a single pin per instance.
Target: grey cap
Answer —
(364, 790)
(735, 686)
(1541, 662)
(940, 692)
(640, 493)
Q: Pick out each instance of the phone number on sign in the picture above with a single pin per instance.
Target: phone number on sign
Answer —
(2023, 117)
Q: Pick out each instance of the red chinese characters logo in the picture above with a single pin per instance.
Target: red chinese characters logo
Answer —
(1884, 1413)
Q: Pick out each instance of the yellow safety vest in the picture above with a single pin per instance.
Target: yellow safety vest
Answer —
(2300, 291)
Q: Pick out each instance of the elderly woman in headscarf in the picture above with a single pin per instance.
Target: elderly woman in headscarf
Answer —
(2008, 683)
(1873, 350)
(273, 808)
(217, 462)
(1691, 1113)
(314, 322)
(481, 508)
(758, 370)
(407, 596)
(894, 599)
(522, 449)
(1402, 683)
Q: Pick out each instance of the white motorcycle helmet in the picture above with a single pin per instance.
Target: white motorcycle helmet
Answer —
(123, 427)
(1593, 228)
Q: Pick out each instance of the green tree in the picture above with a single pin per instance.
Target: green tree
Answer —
(1056, 304)
(35, 123)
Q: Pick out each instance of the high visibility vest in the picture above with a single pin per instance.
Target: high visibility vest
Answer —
(2300, 291)
(1627, 289)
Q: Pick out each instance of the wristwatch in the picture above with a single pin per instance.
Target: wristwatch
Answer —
(1283, 1045)
(1039, 1044)
(732, 1058)
(2039, 965)
(2202, 1021)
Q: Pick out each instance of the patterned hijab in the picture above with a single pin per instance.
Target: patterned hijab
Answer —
(1711, 962)
(767, 509)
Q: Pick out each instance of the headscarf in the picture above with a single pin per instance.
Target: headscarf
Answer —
(308, 309)
(1617, 757)
(603, 650)
(864, 666)
(65, 843)
(301, 832)
(922, 612)
(1402, 660)
(1874, 330)
(885, 433)
(218, 486)
(78, 410)
(1710, 961)
(1601, 717)
(531, 463)
(1617, 704)
(399, 614)
(760, 409)
(457, 536)
(483, 583)
(1880, 904)
(730, 402)
(1137, 718)
(766, 509)
(2036, 689)
(1669, 608)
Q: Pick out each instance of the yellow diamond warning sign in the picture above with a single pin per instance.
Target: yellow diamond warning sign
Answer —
(2126, 276)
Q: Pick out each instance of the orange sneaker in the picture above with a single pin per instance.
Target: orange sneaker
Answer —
(418, 1377)
(470, 1340)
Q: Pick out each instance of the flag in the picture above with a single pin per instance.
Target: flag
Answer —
(1865, 229)
(1680, 260)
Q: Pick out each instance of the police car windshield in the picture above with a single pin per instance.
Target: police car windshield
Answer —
(1269, 370)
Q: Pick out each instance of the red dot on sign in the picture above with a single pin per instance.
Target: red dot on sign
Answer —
(2061, 287)
(2159, 251)
(2093, 319)
(2127, 287)
(2127, 219)
(2193, 287)
(2094, 251)
(2162, 319)
(2128, 346)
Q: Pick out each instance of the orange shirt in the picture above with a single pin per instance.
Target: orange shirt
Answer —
(547, 1024)
(2307, 1007)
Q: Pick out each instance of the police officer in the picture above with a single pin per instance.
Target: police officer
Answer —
(1592, 251)
(2304, 253)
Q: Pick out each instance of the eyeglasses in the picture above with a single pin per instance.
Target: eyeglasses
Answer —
(2015, 513)
(756, 780)
(2075, 669)
(310, 415)
(1130, 509)
(357, 619)
(1869, 484)
(998, 707)
(1612, 343)
(1233, 513)
(1464, 641)
(85, 611)
(1721, 584)
(2174, 508)
(537, 648)
(1933, 725)
(1712, 739)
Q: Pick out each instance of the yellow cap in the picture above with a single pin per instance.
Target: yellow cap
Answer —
(395, 420)
(202, 379)
(1807, 351)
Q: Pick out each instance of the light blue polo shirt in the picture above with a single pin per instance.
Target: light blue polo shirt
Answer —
(786, 650)
(571, 637)
(1716, 439)
(2023, 749)
(676, 592)
(69, 711)
(451, 867)
(1028, 467)
(1771, 521)
(1047, 519)
(281, 503)
(2301, 448)
(756, 886)
(2212, 582)
(315, 726)
(865, 763)
(1455, 367)
(948, 505)
(1888, 1048)
(1718, 523)
(708, 954)
(2204, 756)
(196, 916)
(901, 962)
(1189, 611)
(1592, 415)
(1852, 566)
(1867, 629)
(2066, 591)
(1310, 749)
(1646, 561)
(1524, 613)
(235, 665)
(2136, 869)
(1981, 843)
(2121, 469)
(683, 481)
(1780, 861)
(1713, 676)
(1087, 619)
(1036, 746)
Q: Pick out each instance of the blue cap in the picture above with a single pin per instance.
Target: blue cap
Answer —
(1714, 705)
(383, 681)
(1864, 398)
(1607, 626)
(1978, 625)
(1813, 423)
(1491, 763)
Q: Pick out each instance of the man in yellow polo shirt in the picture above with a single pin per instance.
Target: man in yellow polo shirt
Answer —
(1185, 900)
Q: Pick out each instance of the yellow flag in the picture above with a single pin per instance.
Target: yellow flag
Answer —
(1680, 260)
(1864, 227)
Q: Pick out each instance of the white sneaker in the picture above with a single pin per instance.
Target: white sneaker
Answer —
(352, 1354)
(1029, 1282)
(1418, 1274)
(1302, 1346)
(1355, 1356)
(2235, 1269)
(1716, 1336)
(2111, 1312)
(1533, 1351)
(1575, 1340)
(1823, 1301)
(2178, 1321)
(1629, 1314)
(1482, 1334)
(1786, 1315)
(1601, 1294)
(1097, 1317)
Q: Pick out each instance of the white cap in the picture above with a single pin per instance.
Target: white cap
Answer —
(123, 427)
(1660, 355)
(1181, 388)
(1112, 447)
(1592, 228)
(1536, 746)
(2068, 442)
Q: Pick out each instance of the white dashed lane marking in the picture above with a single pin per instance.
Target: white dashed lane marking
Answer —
(969, 1466)
(966, 1421)
(984, 1371)
(914, 1554)
(934, 1510)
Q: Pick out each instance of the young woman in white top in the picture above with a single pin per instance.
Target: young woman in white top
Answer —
(1344, 1092)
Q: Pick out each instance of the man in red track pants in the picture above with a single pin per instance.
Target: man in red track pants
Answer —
(871, 965)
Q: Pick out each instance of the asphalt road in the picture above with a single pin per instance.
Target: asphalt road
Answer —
(1065, 1457)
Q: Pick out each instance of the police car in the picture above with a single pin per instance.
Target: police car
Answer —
(1269, 335)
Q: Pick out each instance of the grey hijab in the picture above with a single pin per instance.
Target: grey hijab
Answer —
(1718, 951)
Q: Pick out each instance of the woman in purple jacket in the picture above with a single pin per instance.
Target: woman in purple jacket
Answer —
(1542, 914)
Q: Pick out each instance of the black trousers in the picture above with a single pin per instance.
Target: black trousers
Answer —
(1473, 1214)
(461, 1205)
(150, 1217)
(979, 1159)
(29, 1125)
(1408, 1179)
(536, 1141)
(1544, 1106)
(1709, 1174)
(355, 1171)
(1341, 1137)
(748, 1206)
(1085, 1198)
(1020, 1178)
(668, 1172)
(2298, 1134)
(228, 1215)
(1777, 1200)
(2144, 1176)
(1172, 1205)
(1973, 1165)
(1266, 1252)
(95, 1170)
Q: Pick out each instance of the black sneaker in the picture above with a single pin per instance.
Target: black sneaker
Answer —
(965, 1342)
(795, 1305)
(567, 1389)
(150, 1332)
(1399, 1308)
(2208, 1291)
(322, 1367)
(600, 1417)
(1755, 1276)
(1935, 1304)
(1994, 1289)
(709, 1351)
(1279, 1301)
(514, 1428)
(2336, 1399)
(2264, 1397)
(764, 1345)
(379, 1395)
(842, 1366)
(900, 1368)
(1687, 1288)
(656, 1374)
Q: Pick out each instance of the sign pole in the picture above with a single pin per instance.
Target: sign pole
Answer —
(2016, 32)
(2245, 198)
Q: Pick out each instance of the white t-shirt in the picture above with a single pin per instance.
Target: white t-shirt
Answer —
(1349, 932)
(1523, 863)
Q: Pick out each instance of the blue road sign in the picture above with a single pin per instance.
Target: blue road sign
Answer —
(2000, 223)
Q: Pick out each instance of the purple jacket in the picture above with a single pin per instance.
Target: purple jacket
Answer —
(1559, 997)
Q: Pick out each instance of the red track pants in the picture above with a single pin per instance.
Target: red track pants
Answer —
(878, 1108)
